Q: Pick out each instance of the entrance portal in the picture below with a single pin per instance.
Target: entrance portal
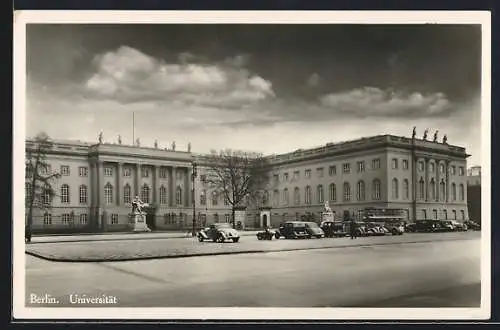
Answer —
(265, 217)
(264, 221)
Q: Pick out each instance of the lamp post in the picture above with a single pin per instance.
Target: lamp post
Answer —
(193, 176)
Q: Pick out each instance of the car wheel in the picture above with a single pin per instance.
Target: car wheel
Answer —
(200, 239)
(394, 232)
(277, 235)
(235, 240)
(221, 239)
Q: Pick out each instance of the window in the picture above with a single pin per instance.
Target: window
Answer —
(308, 195)
(265, 198)
(163, 172)
(203, 197)
(216, 218)
(126, 194)
(346, 168)
(163, 195)
(421, 166)
(424, 214)
(84, 219)
(361, 166)
(179, 175)
(435, 214)
(47, 218)
(395, 188)
(394, 164)
(307, 174)
(441, 168)
(333, 192)
(203, 178)
(276, 178)
(64, 170)
(276, 197)
(376, 189)
(421, 189)
(114, 219)
(108, 171)
(405, 164)
(83, 194)
(453, 192)
(127, 172)
(360, 191)
(285, 196)
(108, 193)
(442, 191)
(145, 193)
(332, 170)
(66, 219)
(460, 171)
(321, 198)
(445, 212)
(285, 177)
(454, 212)
(46, 196)
(406, 189)
(178, 196)
(227, 218)
(28, 191)
(226, 200)
(65, 194)
(215, 198)
(347, 191)
(320, 172)
(145, 172)
(376, 164)
(432, 167)
(432, 188)
(296, 175)
(461, 193)
(462, 213)
(296, 196)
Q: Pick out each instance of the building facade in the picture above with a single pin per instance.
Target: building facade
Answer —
(98, 182)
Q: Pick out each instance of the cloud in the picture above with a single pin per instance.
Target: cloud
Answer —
(314, 80)
(370, 101)
(129, 75)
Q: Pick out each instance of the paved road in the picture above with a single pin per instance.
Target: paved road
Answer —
(437, 274)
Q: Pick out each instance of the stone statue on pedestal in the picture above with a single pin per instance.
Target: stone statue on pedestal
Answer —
(100, 138)
(435, 136)
(445, 139)
(139, 216)
(425, 134)
(156, 144)
(119, 139)
(173, 146)
(138, 142)
(414, 134)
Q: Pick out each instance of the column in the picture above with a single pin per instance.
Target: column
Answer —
(137, 184)
(447, 180)
(119, 184)
(426, 179)
(173, 185)
(100, 183)
(438, 183)
(187, 187)
(156, 181)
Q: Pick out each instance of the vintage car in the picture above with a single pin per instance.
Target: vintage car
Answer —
(292, 229)
(472, 225)
(314, 230)
(266, 235)
(459, 226)
(219, 232)
(333, 229)
(445, 226)
(410, 227)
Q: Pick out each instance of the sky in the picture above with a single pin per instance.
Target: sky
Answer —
(264, 88)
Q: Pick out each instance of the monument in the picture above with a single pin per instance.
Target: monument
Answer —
(435, 136)
(139, 216)
(327, 214)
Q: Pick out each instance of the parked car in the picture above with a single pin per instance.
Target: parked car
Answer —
(459, 226)
(333, 229)
(219, 232)
(410, 227)
(444, 226)
(292, 229)
(396, 228)
(267, 234)
(472, 225)
(314, 230)
(425, 226)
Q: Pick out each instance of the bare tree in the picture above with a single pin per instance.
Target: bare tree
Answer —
(39, 191)
(237, 176)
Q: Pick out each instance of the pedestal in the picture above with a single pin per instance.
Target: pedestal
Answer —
(139, 223)
(327, 216)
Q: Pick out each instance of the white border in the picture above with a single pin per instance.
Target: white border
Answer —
(21, 18)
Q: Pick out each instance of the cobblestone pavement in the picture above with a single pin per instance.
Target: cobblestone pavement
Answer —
(120, 250)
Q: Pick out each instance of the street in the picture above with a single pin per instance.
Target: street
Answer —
(429, 274)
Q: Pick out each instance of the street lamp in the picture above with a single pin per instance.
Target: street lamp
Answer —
(193, 176)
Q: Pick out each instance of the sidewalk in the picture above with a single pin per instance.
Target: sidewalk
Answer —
(119, 236)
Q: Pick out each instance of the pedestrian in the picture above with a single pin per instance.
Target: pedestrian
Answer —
(27, 234)
(353, 228)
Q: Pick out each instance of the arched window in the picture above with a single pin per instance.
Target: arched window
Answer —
(376, 189)
(321, 198)
(461, 192)
(454, 192)
(462, 213)
(83, 194)
(395, 188)
(442, 191)
(64, 194)
(127, 193)
(445, 212)
(347, 191)
(215, 198)
(432, 188)
(108, 193)
(454, 214)
(265, 198)
(421, 189)
(308, 195)
(145, 193)
(406, 189)
(178, 196)
(163, 195)
(296, 196)
(360, 191)
(285, 196)
(203, 197)
(333, 192)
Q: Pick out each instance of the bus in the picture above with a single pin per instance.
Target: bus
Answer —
(392, 219)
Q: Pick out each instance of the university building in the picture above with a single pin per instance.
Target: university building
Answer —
(426, 179)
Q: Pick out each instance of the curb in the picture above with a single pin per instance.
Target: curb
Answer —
(191, 255)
